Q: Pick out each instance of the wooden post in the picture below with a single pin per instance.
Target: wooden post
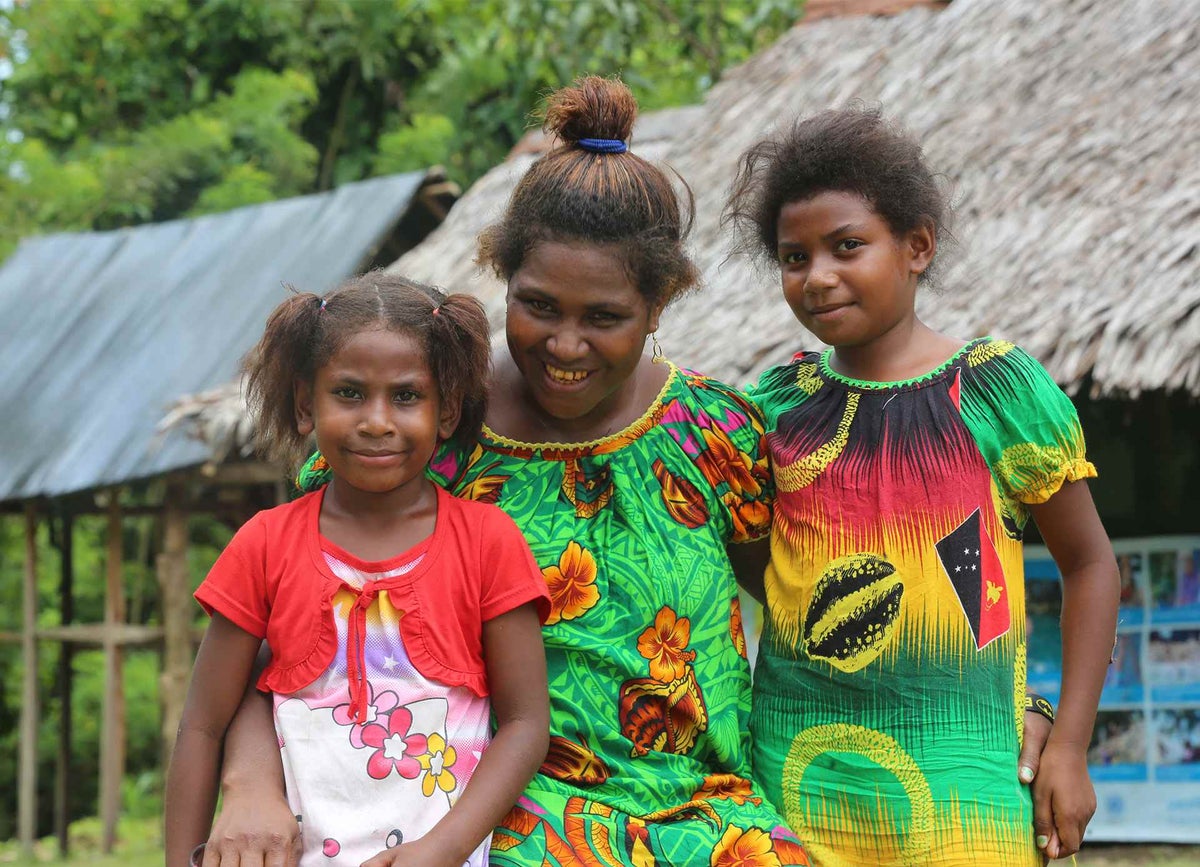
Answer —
(27, 786)
(175, 586)
(66, 650)
(112, 731)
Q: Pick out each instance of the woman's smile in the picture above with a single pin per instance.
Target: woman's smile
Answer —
(564, 377)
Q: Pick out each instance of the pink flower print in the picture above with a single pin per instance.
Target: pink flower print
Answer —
(394, 747)
(437, 764)
(377, 710)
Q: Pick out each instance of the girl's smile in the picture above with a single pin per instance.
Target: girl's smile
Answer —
(375, 410)
(852, 282)
(846, 276)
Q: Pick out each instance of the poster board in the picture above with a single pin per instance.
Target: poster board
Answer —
(1144, 757)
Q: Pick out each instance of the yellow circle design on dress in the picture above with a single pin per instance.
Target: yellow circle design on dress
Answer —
(877, 747)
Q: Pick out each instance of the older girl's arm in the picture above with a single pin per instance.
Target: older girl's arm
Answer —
(1064, 799)
(219, 678)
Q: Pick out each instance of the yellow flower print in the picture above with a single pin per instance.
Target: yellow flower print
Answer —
(437, 764)
(572, 584)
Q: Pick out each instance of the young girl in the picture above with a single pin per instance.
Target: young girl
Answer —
(889, 693)
(392, 610)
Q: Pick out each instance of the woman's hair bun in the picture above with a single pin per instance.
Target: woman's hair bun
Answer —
(593, 107)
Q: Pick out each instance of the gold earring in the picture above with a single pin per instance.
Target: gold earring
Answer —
(656, 353)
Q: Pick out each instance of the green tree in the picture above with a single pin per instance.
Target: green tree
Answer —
(115, 112)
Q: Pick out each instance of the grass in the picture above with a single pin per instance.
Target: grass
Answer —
(140, 845)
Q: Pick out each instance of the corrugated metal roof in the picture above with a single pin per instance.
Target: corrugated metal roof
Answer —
(101, 331)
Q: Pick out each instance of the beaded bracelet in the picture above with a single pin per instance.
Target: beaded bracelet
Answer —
(1037, 704)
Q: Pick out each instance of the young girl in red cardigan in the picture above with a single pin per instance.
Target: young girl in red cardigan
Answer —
(398, 617)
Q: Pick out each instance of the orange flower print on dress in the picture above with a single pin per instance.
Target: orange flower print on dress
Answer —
(574, 763)
(736, 631)
(750, 519)
(731, 786)
(484, 489)
(572, 584)
(665, 645)
(437, 763)
(667, 717)
(683, 500)
(744, 848)
(722, 461)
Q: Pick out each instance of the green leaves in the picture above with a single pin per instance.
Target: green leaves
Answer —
(122, 111)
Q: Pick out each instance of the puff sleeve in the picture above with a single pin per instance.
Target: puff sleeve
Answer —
(1024, 425)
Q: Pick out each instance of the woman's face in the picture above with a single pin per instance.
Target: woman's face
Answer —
(576, 326)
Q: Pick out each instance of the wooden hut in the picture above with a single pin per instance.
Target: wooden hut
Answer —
(104, 330)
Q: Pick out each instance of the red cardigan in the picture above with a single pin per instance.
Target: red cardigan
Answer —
(272, 581)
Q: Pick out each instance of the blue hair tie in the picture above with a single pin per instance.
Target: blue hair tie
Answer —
(603, 145)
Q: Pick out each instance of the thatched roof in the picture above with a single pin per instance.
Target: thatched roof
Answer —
(104, 329)
(1068, 130)
(1070, 133)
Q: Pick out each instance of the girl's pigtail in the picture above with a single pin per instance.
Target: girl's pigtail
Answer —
(460, 354)
(282, 356)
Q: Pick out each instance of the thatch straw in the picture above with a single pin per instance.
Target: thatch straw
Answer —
(1071, 135)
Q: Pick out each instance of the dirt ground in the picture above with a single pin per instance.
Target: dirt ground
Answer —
(1111, 855)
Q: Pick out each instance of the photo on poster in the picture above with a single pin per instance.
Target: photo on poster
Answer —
(1118, 749)
(1173, 665)
(1132, 600)
(1175, 585)
(1123, 682)
(1177, 744)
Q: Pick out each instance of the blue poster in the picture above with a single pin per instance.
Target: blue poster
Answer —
(1144, 757)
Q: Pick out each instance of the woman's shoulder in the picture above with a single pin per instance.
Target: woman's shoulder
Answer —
(707, 402)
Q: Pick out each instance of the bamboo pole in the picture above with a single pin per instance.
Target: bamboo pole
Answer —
(175, 586)
(66, 650)
(112, 738)
(27, 785)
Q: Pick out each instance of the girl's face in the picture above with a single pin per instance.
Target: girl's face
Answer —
(846, 276)
(375, 408)
(576, 327)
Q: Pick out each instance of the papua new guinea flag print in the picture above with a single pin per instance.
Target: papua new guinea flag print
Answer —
(974, 569)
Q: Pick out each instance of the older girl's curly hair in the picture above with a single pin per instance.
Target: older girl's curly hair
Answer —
(854, 150)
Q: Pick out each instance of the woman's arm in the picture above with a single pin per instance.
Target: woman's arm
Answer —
(516, 672)
(219, 678)
(255, 825)
(1064, 799)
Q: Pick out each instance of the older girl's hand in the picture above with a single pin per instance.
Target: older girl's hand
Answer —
(1063, 800)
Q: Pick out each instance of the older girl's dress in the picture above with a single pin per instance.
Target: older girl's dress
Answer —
(888, 695)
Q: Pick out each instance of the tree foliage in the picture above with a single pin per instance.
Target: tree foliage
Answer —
(116, 112)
